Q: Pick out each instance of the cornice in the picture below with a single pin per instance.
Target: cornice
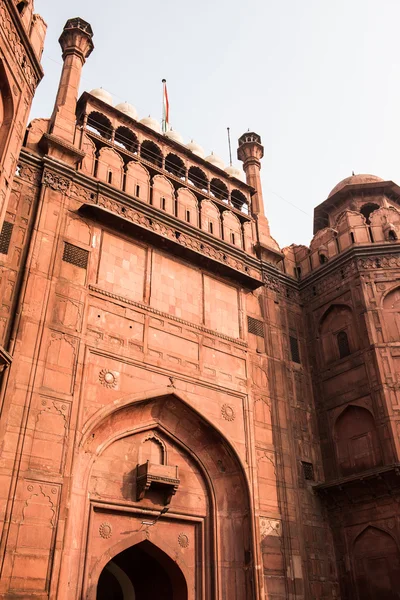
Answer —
(105, 203)
(147, 308)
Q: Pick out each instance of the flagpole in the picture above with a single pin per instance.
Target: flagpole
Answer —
(163, 125)
(229, 144)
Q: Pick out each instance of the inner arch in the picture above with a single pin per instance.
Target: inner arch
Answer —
(141, 572)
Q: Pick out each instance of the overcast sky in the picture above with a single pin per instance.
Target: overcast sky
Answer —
(319, 80)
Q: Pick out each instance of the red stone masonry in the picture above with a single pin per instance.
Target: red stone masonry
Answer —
(188, 411)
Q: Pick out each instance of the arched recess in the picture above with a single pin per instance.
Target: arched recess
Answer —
(163, 194)
(357, 442)
(100, 124)
(110, 167)
(198, 178)
(336, 325)
(175, 165)
(219, 190)
(126, 138)
(151, 152)
(6, 108)
(376, 563)
(137, 181)
(213, 491)
(188, 208)
(232, 228)
(391, 315)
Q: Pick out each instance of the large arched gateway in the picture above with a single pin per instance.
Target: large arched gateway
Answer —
(159, 507)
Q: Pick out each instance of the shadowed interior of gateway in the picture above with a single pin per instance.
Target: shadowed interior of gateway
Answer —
(141, 572)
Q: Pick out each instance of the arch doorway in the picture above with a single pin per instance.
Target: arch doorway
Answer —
(141, 572)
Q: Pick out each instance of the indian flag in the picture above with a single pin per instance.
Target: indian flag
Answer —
(165, 120)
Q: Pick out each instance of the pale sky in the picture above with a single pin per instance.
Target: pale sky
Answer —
(318, 80)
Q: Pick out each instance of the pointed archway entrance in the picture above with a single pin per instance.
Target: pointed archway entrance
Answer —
(141, 572)
(150, 468)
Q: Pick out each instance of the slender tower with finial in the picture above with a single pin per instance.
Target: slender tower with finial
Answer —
(250, 152)
(76, 44)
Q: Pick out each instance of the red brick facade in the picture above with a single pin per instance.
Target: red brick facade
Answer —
(190, 412)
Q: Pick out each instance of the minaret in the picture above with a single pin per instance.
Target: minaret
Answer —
(76, 43)
(251, 151)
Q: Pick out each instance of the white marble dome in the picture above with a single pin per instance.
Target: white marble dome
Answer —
(174, 135)
(128, 109)
(102, 95)
(195, 148)
(234, 172)
(152, 123)
(215, 160)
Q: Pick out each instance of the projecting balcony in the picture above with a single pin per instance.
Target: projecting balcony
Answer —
(162, 477)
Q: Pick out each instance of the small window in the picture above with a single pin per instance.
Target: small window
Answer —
(323, 258)
(294, 349)
(163, 203)
(109, 177)
(151, 200)
(255, 326)
(188, 216)
(308, 471)
(297, 272)
(210, 227)
(138, 191)
(5, 237)
(75, 255)
(343, 344)
(232, 238)
(21, 7)
(352, 237)
(392, 237)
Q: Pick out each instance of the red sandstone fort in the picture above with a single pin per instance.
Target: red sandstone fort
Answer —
(188, 412)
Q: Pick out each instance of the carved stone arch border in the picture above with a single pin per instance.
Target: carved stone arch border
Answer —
(122, 545)
(355, 535)
(386, 293)
(323, 313)
(336, 414)
(84, 459)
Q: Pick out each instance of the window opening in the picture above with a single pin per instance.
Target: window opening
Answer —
(255, 326)
(352, 237)
(294, 349)
(392, 236)
(75, 255)
(297, 272)
(210, 227)
(188, 216)
(110, 177)
(343, 344)
(163, 203)
(5, 237)
(323, 258)
(308, 470)
(21, 7)
(232, 237)
(138, 191)
(367, 209)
